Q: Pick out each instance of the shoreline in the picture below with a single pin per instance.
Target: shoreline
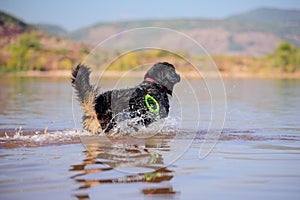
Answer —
(137, 74)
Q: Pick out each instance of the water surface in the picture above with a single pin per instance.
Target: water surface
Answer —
(257, 155)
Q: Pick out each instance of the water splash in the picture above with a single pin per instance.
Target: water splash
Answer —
(20, 137)
(30, 138)
(134, 127)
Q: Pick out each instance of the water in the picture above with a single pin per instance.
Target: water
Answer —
(256, 156)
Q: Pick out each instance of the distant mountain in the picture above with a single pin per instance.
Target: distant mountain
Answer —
(268, 16)
(52, 29)
(254, 33)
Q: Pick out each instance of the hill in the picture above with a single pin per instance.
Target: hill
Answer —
(255, 33)
(10, 28)
(52, 29)
(25, 47)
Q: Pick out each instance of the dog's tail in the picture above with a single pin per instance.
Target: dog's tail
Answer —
(86, 94)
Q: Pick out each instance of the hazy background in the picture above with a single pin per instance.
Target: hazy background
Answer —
(75, 14)
(66, 31)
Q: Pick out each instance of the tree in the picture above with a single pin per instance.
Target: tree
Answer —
(23, 51)
(286, 57)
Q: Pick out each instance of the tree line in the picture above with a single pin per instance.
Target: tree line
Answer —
(28, 53)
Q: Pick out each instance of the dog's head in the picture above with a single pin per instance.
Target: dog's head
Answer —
(164, 74)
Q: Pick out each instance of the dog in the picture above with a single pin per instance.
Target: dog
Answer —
(147, 102)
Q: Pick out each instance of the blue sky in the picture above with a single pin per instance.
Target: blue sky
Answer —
(74, 14)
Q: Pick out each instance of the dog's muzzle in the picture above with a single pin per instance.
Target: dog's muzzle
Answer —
(175, 78)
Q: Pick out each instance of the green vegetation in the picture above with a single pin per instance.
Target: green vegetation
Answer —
(23, 47)
(22, 54)
(134, 60)
(29, 53)
(286, 57)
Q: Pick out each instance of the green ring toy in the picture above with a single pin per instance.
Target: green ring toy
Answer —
(151, 109)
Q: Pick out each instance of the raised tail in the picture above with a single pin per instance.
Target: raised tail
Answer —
(86, 94)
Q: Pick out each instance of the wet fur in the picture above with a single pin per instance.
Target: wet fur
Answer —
(86, 97)
(103, 111)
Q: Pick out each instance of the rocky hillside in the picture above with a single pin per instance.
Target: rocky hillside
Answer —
(25, 47)
(254, 33)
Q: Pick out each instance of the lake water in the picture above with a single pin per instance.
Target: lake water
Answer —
(45, 155)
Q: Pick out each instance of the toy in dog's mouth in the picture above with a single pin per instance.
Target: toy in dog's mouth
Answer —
(148, 101)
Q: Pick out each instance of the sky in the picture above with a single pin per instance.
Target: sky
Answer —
(75, 14)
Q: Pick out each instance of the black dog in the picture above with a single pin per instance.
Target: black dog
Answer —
(147, 102)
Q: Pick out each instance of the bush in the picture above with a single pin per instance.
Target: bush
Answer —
(21, 54)
(286, 57)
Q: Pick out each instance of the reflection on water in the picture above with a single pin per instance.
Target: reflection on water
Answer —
(117, 154)
(125, 152)
(35, 103)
